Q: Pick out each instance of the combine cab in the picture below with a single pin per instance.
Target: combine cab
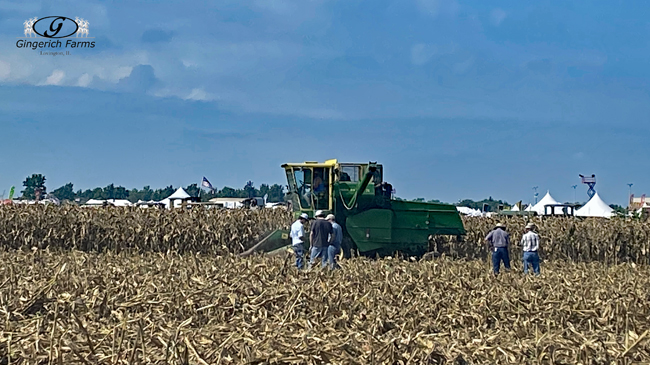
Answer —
(373, 223)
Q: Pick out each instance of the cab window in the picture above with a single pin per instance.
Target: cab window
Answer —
(350, 173)
(303, 178)
(321, 188)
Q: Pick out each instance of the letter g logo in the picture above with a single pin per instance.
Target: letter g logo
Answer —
(59, 27)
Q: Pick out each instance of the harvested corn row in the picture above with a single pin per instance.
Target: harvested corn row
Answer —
(75, 307)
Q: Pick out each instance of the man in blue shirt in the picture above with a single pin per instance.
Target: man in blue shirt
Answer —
(335, 242)
(499, 240)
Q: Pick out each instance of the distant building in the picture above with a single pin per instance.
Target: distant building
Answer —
(230, 203)
(638, 202)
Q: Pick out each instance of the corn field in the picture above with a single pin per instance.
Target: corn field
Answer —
(155, 308)
(100, 229)
(609, 241)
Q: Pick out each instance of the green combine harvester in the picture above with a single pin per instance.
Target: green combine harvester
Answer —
(373, 223)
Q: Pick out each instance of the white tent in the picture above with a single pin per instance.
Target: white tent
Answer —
(120, 202)
(469, 211)
(514, 208)
(94, 202)
(113, 202)
(529, 208)
(178, 196)
(546, 200)
(595, 207)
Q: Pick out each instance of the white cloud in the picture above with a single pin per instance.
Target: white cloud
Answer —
(188, 63)
(84, 80)
(5, 70)
(497, 16)
(120, 73)
(55, 78)
(197, 94)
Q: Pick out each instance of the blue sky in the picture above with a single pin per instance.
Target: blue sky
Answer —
(458, 99)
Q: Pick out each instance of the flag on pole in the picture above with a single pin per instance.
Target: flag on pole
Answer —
(11, 192)
(205, 183)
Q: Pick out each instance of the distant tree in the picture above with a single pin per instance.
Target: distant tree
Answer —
(31, 184)
(97, 193)
(66, 192)
(109, 192)
(263, 190)
(227, 192)
(161, 194)
(146, 194)
(249, 189)
(276, 193)
(192, 190)
(617, 208)
(494, 204)
(120, 192)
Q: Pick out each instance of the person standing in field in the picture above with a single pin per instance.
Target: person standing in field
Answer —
(319, 238)
(298, 238)
(335, 242)
(499, 240)
(530, 244)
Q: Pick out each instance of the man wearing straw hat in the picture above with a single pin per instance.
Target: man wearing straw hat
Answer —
(530, 244)
(499, 240)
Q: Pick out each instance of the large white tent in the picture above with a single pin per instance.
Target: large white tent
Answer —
(595, 207)
(178, 197)
(546, 200)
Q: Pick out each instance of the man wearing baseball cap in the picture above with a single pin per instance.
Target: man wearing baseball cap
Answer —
(530, 244)
(336, 240)
(499, 240)
(298, 238)
(319, 237)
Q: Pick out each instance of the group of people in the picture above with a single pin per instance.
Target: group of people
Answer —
(325, 237)
(498, 240)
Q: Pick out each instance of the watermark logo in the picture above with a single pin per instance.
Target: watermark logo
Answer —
(83, 27)
(29, 27)
(53, 28)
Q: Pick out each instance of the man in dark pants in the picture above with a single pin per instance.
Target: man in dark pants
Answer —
(319, 236)
(499, 240)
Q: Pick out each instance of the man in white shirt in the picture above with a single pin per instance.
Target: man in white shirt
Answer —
(530, 244)
(298, 238)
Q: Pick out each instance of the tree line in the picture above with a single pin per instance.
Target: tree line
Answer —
(35, 185)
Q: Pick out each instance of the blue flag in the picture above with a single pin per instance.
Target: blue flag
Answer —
(206, 183)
